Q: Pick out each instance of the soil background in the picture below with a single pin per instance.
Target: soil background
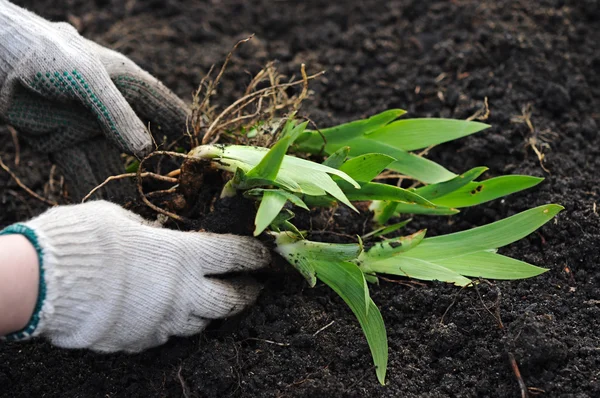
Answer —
(434, 59)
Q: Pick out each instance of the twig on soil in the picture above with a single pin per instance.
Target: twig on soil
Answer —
(535, 390)
(410, 283)
(517, 372)
(25, 187)
(481, 114)
(511, 357)
(15, 139)
(453, 302)
(184, 387)
(532, 141)
(305, 379)
(496, 313)
(323, 328)
(269, 342)
(304, 92)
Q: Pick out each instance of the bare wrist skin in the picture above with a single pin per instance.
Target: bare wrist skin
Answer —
(19, 281)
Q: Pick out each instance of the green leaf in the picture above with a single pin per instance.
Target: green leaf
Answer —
(295, 174)
(371, 278)
(476, 193)
(258, 192)
(378, 135)
(288, 226)
(133, 166)
(271, 204)
(433, 191)
(269, 165)
(404, 208)
(417, 268)
(315, 250)
(377, 191)
(312, 141)
(386, 230)
(490, 265)
(288, 247)
(413, 134)
(366, 167)
(418, 167)
(336, 159)
(383, 210)
(391, 247)
(280, 220)
(406, 163)
(490, 236)
(350, 284)
(318, 201)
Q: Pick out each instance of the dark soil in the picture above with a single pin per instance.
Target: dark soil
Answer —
(433, 58)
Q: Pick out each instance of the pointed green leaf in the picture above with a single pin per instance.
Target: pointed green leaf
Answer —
(413, 134)
(404, 208)
(386, 230)
(418, 167)
(336, 159)
(269, 165)
(280, 221)
(259, 192)
(366, 167)
(392, 247)
(350, 284)
(433, 191)
(490, 265)
(406, 163)
(270, 206)
(490, 236)
(417, 268)
(288, 226)
(295, 174)
(377, 191)
(318, 201)
(312, 141)
(476, 193)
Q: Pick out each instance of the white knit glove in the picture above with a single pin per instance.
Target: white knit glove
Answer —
(111, 281)
(62, 91)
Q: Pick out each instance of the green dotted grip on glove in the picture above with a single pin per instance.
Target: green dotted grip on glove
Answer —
(66, 84)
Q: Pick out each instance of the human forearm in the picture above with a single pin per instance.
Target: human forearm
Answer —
(19, 279)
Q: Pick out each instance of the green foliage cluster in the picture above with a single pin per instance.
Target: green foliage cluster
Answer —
(356, 153)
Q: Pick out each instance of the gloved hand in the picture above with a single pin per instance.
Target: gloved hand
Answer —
(111, 281)
(66, 95)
